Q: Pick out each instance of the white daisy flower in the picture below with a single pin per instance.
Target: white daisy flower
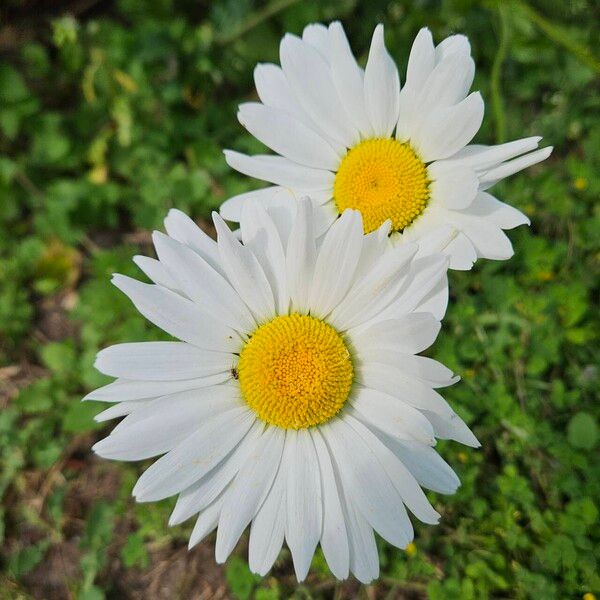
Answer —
(295, 401)
(353, 139)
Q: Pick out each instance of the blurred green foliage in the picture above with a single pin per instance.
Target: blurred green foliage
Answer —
(111, 117)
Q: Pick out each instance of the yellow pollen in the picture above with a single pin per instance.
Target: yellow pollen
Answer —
(295, 372)
(383, 179)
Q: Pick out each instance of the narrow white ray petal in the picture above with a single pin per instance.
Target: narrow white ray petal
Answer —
(375, 291)
(195, 456)
(481, 157)
(261, 236)
(202, 284)
(514, 166)
(348, 78)
(453, 186)
(160, 361)
(426, 465)
(334, 538)
(336, 263)
(231, 209)
(268, 527)
(177, 316)
(244, 272)
(310, 78)
(410, 333)
(387, 414)
(448, 83)
(364, 558)
(446, 130)
(435, 301)
(280, 171)
(409, 114)
(454, 44)
(401, 478)
(287, 136)
(421, 60)
(156, 272)
(181, 228)
(373, 246)
(300, 256)
(462, 253)
(487, 238)
(499, 213)
(381, 87)
(304, 503)
(199, 495)
(426, 369)
(206, 522)
(124, 389)
(120, 410)
(248, 490)
(408, 389)
(452, 428)
(317, 36)
(161, 425)
(366, 481)
(425, 274)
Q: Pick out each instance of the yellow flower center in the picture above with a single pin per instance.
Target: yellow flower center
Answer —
(383, 179)
(295, 372)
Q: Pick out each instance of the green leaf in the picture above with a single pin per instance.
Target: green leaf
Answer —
(239, 577)
(80, 417)
(582, 431)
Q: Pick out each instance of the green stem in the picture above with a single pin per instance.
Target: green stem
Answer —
(495, 80)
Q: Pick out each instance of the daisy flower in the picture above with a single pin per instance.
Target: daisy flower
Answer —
(354, 139)
(294, 401)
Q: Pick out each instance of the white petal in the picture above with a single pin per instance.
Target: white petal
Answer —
(199, 495)
(202, 284)
(426, 465)
(348, 78)
(156, 272)
(248, 491)
(317, 36)
(363, 476)
(206, 522)
(177, 316)
(435, 301)
(195, 456)
(280, 171)
(336, 263)
(231, 209)
(124, 389)
(482, 158)
(461, 252)
(373, 246)
(451, 45)
(300, 256)
(160, 361)
(421, 60)
(260, 235)
(402, 479)
(309, 76)
(514, 166)
(410, 333)
(334, 538)
(287, 136)
(448, 129)
(121, 409)
(244, 272)
(268, 528)
(499, 213)
(452, 185)
(398, 419)
(382, 87)
(161, 425)
(375, 291)
(487, 238)
(408, 389)
(304, 503)
(452, 428)
(181, 228)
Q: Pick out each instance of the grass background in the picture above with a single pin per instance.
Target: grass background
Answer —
(113, 112)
